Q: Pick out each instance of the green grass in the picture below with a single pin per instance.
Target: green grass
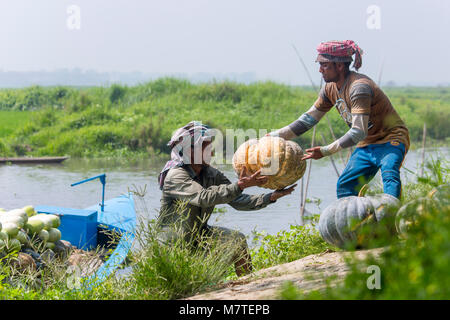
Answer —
(287, 245)
(177, 269)
(121, 120)
(11, 121)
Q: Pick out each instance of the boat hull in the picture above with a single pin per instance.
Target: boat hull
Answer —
(118, 217)
(39, 160)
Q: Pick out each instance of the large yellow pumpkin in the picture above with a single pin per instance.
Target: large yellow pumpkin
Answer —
(277, 158)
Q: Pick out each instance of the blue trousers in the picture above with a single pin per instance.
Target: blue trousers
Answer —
(364, 164)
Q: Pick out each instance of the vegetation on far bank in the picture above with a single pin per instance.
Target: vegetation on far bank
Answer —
(139, 120)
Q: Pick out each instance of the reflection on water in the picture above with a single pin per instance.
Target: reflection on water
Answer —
(21, 185)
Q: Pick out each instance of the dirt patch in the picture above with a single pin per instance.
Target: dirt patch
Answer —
(309, 273)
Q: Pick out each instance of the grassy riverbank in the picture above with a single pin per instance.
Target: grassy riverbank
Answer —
(416, 267)
(123, 121)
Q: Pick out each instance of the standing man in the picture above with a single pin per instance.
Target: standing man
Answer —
(191, 188)
(380, 136)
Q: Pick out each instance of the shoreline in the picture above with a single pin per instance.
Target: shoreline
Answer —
(306, 274)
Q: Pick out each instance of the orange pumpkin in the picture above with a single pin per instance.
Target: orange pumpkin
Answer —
(277, 158)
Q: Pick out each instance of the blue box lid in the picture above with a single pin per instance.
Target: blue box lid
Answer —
(61, 211)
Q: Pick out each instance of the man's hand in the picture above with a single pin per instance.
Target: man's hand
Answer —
(281, 193)
(313, 153)
(254, 180)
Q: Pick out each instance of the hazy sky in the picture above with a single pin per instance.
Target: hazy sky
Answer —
(223, 36)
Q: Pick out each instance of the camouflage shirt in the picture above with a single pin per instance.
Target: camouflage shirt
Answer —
(189, 199)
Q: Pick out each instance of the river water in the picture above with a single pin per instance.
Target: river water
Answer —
(21, 185)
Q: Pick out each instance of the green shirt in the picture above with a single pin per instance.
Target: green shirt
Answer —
(189, 199)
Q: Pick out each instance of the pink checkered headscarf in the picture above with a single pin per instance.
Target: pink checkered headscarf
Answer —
(340, 51)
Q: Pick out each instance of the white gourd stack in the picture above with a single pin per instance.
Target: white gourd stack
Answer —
(19, 227)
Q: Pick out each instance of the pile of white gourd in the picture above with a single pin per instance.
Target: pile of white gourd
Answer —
(22, 227)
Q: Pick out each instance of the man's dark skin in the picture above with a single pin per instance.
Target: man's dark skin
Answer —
(331, 72)
(244, 265)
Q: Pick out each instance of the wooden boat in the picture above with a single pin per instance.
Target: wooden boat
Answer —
(110, 224)
(33, 160)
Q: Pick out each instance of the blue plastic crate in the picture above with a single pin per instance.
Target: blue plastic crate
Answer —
(78, 226)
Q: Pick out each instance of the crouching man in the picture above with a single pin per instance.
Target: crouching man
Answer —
(191, 188)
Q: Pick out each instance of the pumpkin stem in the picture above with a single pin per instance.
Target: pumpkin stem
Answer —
(431, 193)
(366, 220)
(363, 190)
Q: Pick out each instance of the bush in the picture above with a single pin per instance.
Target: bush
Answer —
(179, 269)
(4, 150)
(116, 93)
(149, 136)
(287, 246)
(148, 114)
(46, 118)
